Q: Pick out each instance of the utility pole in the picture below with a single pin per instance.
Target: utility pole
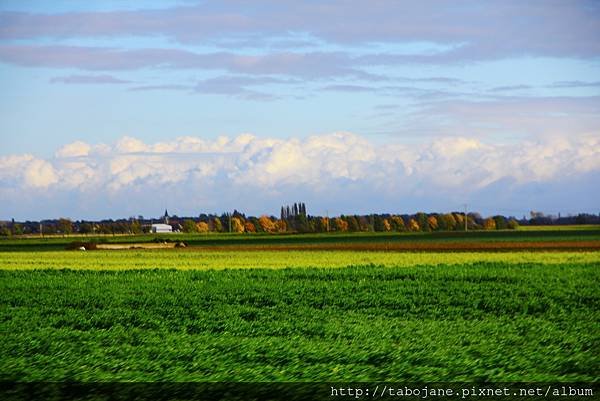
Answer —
(466, 218)
(41, 230)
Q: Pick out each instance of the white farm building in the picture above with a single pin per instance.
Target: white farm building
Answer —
(161, 228)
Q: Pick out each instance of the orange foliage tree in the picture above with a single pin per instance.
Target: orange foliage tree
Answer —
(236, 225)
(202, 227)
(489, 224)
(413, 225)
(267, 224)
(340, 224)
(249, 227)
(432, 223)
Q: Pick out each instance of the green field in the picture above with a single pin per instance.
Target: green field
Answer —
(573, 234)
(225, 314)
(224, 259)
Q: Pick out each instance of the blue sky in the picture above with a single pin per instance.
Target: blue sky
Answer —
(363, 107)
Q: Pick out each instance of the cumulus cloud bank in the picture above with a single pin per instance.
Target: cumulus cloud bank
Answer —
(336, 171)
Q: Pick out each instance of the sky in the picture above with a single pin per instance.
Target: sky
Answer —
(112, 109)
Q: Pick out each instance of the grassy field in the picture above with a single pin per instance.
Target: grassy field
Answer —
(213, 312)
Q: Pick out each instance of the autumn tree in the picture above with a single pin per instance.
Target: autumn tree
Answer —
(267, 224)
(489, 224)
(281, 226)
(386, 225)
(217, 225)
(397, 223)
(353, 224)
(432, 223)
(340, 224)
(413, 225)
(323, 224)
(236, 225)
(446, 222)
(202, 227)
(249, 227)
(460, 221)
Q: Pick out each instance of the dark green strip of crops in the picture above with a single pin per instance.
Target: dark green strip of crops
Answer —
(490, 321)
(59, 243)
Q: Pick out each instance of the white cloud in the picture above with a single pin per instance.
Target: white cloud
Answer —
(74, 149)
(250, 170)
(131, 145)
(39, 174)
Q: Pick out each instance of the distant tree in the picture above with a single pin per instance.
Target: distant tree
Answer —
(281, 226)
(225, 222)
(397, 223)
(353, 224)
(378, 223)
(236, 225)
(432, 222)
(512, 224)
(340, 224)
(17, 229)
(365, 223)
(475, 219)
(5, 231)
(301, 223)
(189, 226)
(217, 225)
(421, 219)
(321, 224)
(413, 225)
(501, 223)
(135, 227)
(249, 227)
(85, 228)
(267, 224)
(460, 221)
(473, 224)
(446, 222)
(65, 226)
(489, 224)
(386, 225)
(200, 227)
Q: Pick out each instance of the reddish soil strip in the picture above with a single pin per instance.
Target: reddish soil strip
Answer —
(418, 247)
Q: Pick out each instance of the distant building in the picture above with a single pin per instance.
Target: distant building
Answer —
(166, 217)
(161, 228)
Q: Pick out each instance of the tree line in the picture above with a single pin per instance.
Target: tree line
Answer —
(293, 219)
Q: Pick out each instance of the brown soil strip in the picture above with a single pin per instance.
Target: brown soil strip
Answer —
(418, 247)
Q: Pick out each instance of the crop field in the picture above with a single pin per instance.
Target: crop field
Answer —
(227, 259)
(529, 239)
(217, 311)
